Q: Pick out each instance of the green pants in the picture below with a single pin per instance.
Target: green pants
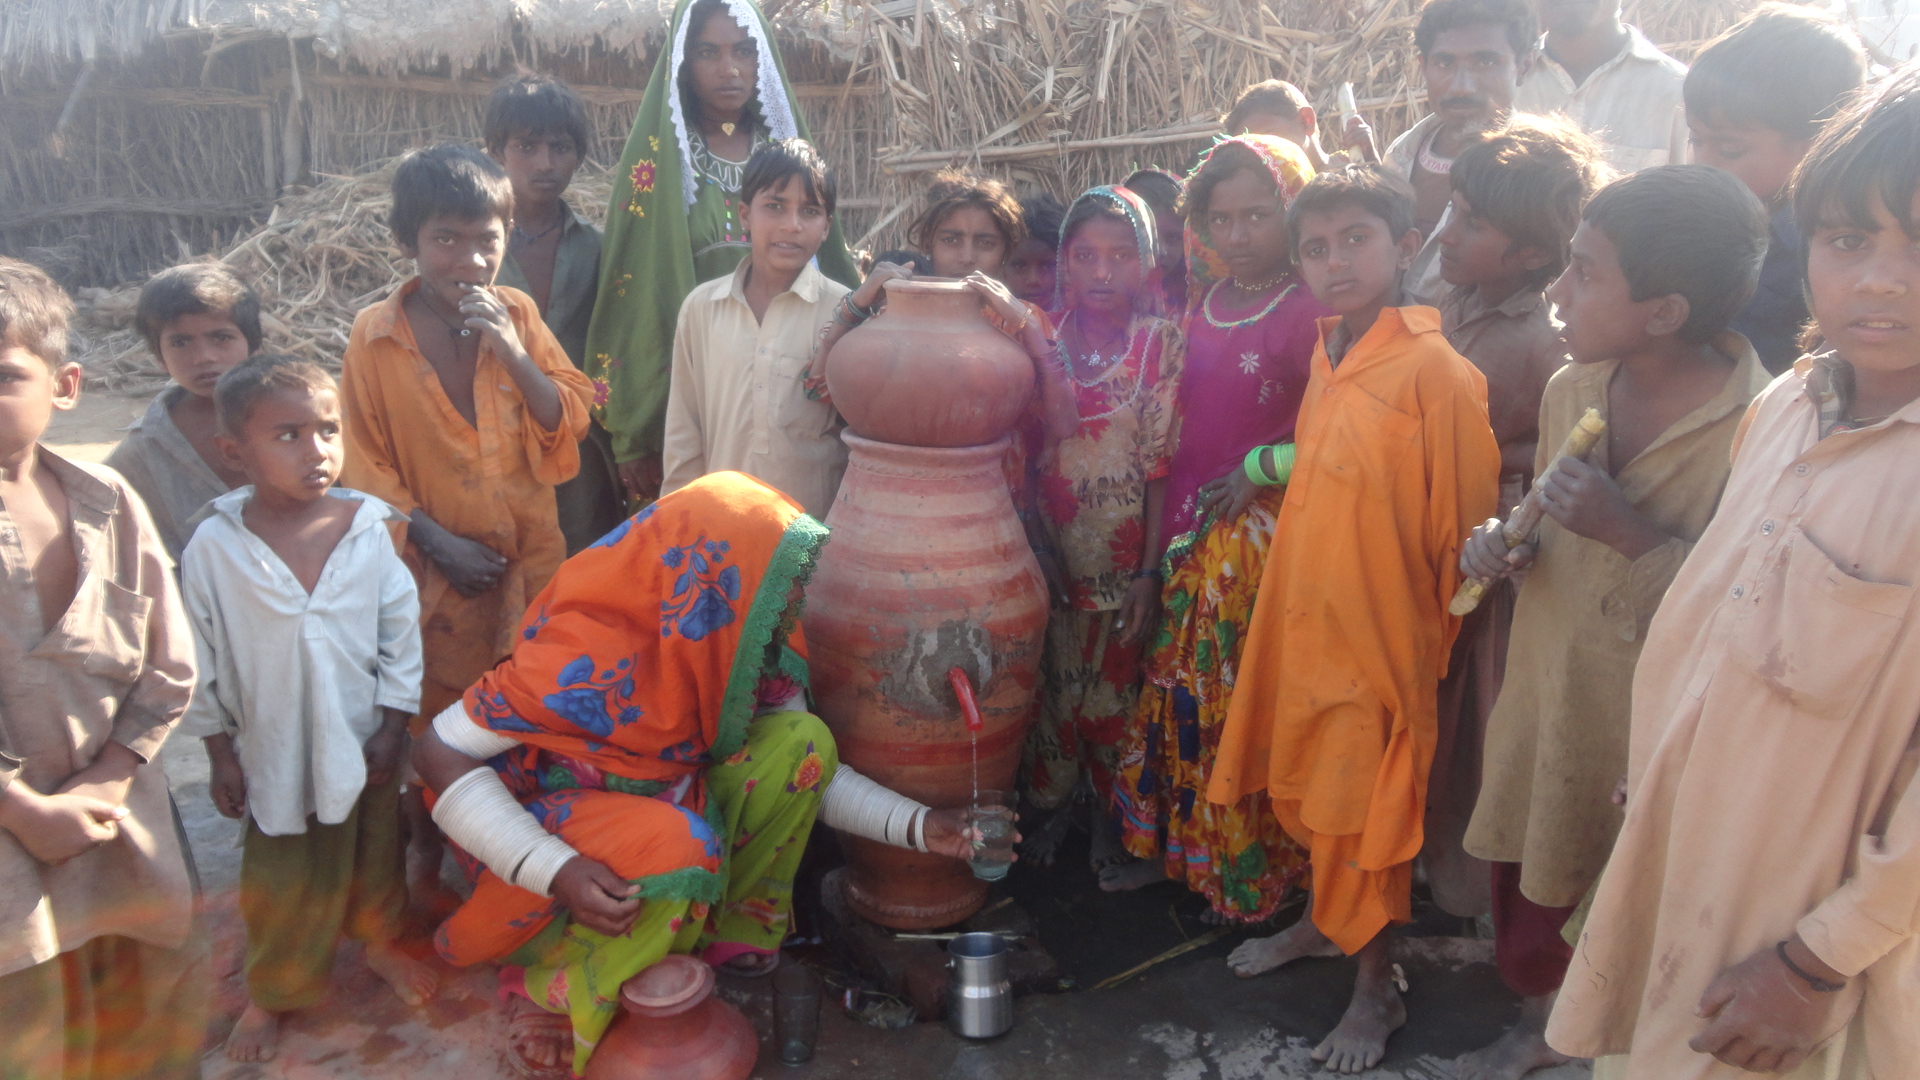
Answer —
(300, 894)
(112, 1009)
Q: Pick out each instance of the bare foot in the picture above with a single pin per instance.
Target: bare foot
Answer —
(1042, 845)
(256, 1037)
(1520, 1051)
(1106, 848)
(1129, 876)
(752, 965)
(541, 1042)
(1297, 942)
(1360, 1040)
(414, 981)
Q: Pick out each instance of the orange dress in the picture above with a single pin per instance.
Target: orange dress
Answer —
(1334, 714)
(490, 481)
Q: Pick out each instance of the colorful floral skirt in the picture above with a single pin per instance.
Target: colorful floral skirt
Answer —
(1237, 856)
(718, 882)
(1092, 685)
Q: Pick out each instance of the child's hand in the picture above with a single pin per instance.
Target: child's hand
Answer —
(471, 566)
(641, 476)
(1356, 136)
(872, 289)
(488, 314)
(1586, 502)
(1233, 489)
(1486, 557)
(226, 780)
(55, 828)
(387, 748)
(1138, 610)
(998, 297)
(596, 897)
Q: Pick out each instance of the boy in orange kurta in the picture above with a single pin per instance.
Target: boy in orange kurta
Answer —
(462, 412)
(1334, 715)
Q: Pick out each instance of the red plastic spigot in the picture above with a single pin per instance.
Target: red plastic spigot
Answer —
(969, 708)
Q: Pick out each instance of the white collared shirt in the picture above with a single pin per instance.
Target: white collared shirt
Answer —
(300, 680)
(1631, 103)
(737, 402)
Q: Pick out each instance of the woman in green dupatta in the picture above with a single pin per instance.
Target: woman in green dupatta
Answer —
(718, 93)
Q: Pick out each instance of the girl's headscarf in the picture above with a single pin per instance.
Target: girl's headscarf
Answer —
(642, 656)
(646, 261)
(1138, 214)
(1291, 170)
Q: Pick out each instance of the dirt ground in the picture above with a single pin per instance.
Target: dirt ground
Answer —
(1185, 1019)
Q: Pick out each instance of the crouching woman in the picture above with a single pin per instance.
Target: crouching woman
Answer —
(639, 777)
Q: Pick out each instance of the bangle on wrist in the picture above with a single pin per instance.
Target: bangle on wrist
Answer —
(1282, 465)
(1153, 573)
(1819, 985)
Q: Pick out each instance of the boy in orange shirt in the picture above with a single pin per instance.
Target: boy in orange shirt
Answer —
(1334, 715)
(462, 412)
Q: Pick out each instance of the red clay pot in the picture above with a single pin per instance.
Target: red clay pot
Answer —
(675, 1029)
(928, 569)
(930, 370)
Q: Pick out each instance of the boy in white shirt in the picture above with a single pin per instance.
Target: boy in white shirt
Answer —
(307, 628)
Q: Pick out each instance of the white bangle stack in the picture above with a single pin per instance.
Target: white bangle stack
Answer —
(854, 804)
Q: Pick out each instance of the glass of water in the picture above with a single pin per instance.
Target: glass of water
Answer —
(991, 820)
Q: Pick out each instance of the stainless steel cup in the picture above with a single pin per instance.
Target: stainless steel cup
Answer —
(979, 997)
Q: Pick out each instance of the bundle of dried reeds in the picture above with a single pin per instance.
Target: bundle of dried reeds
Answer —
(324, 254)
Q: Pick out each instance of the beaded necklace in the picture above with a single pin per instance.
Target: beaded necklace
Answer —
(1066, 356)
(1206, 307)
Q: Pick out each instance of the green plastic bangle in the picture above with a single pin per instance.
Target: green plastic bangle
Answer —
(1282, 464)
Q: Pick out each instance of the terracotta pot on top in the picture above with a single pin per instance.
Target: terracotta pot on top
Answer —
(930, 370)
(675, 1029)
(928, 569)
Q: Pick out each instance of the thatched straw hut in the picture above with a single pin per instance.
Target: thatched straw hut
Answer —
(135, 132)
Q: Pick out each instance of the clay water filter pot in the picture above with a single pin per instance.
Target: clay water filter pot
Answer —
(674, 1028)
(928, 569)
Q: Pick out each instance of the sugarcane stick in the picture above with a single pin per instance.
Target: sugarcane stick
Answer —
(1526, 517)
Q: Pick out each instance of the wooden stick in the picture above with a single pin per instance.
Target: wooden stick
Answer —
(928, 160)
(1525, 519)
(1202, 941)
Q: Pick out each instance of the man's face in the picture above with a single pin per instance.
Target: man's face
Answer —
(539, 165)
(1472, 75)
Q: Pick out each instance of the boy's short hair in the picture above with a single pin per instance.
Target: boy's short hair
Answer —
(34, 311)
(920, 262)
(1276, 97)
(774, 164)
(535, 105)
(196, 289)
(1513, 16)
(1868, 154)
(953, 190)
(1784, 67)
(239, 391)
(1529, 180)
(1043, 215)
(1688, 229)
(1373, 189)
(447, 178)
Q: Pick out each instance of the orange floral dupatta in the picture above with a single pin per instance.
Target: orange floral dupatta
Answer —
(641, 659)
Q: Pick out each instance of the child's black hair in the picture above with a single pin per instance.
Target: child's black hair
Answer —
(536, 105)
(240, 389)
(1226, 162)
(774, 164)
(955, 190)
(1513, 16)
(34, 311)
(1784, 67)
(1529, 180)
(1043, 215)
(1868, 154)
(1370, 187)
(196, 289)
(1158, 188)
(1276, 97)
(915, 261)
(1688, 229)
(447, 178)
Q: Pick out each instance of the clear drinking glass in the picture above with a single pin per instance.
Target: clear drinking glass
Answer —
(796, 1011)
(991, 819)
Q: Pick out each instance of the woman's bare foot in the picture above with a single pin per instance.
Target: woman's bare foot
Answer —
(256, 1037)
(751, 965)
(1520, 1051)
(539, 1043)
(1128, 876)
(1297, 942)
(1106, 849)
(1042, 845)
(1359, 1041)
(414, 981)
